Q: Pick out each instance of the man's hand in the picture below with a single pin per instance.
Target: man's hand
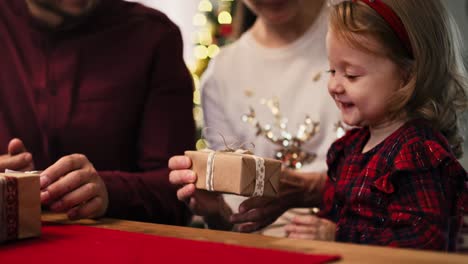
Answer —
(17, 157)
(73, 185)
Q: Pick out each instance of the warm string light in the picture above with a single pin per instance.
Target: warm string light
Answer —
(213, 21)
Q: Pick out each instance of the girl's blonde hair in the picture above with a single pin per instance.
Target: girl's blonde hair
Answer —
(436, 76)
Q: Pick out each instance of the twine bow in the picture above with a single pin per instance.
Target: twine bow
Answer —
(259, 167)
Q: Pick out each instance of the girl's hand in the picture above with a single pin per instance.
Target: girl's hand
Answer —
(311, 227)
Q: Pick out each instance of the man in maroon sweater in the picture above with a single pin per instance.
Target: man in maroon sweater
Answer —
(103, 78)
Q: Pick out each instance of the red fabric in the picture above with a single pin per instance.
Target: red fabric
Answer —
(82, 244)
(114, 88)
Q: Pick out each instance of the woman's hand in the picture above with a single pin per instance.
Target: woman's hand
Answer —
(296, 190)
(210, 205)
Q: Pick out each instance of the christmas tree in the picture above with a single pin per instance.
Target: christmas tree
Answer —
(214, 27)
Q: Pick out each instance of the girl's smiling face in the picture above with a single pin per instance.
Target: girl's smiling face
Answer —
(361, 83)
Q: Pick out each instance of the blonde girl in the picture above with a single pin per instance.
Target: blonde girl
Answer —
(396, 73)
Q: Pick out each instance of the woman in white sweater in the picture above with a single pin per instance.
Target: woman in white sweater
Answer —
(281, 56)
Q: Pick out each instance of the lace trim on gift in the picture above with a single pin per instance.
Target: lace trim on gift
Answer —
(259, 174)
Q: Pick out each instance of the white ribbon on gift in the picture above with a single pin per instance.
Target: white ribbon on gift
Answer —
(259, 172)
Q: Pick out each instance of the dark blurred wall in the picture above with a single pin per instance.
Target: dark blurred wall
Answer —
(459, 9)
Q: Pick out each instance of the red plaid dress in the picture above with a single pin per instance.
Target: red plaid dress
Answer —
(409, 191)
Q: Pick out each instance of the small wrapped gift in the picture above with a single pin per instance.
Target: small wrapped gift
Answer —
(20, 206)
(237, 173)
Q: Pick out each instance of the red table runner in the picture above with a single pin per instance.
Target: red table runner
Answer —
(83, 244)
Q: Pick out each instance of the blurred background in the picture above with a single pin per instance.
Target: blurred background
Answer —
(206, 25)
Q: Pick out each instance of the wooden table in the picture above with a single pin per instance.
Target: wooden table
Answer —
(349, 253)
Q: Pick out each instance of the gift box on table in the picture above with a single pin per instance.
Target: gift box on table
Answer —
(237, 173)
(20, 206)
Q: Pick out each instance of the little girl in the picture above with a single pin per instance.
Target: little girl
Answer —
(396, 73)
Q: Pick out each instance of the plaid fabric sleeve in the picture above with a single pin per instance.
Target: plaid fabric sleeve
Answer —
(423, 211)
(335, 157)
(416, 216)
(327, 209)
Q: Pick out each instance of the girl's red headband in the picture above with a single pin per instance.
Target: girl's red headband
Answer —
(393, 21)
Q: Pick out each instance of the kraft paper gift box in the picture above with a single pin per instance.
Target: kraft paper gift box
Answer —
(20, 206)
(231, 172)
